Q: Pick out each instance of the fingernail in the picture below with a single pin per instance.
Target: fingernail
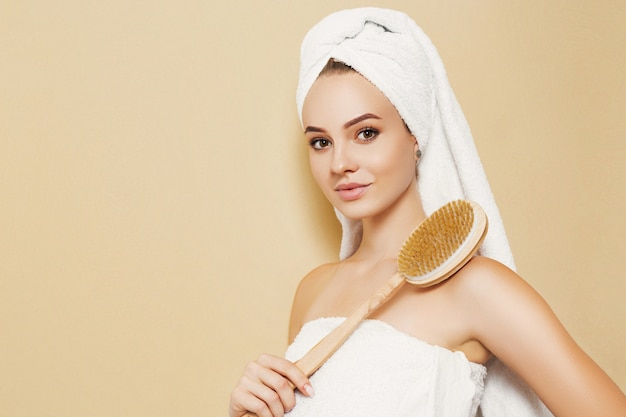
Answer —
(308, 389)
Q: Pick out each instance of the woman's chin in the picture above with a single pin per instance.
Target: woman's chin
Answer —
(354, 214)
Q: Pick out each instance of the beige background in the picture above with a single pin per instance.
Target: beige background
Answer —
(156, 211)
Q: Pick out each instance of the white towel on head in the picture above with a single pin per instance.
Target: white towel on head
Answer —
(394, 54)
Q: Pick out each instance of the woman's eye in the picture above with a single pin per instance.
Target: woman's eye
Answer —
(367, 134)
(319, 143)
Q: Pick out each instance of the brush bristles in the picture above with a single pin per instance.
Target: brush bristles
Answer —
(436, 239)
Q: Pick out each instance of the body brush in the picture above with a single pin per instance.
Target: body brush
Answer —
(441, 245)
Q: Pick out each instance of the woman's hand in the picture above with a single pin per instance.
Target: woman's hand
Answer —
(266, 388)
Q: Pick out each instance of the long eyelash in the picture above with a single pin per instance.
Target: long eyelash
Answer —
(314, 143)
(375, 132)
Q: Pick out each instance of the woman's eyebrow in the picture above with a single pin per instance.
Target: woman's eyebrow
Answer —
(346, 125)
(314, 129)
(360, 119)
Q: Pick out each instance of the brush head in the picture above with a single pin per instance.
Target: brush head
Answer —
(442, 243)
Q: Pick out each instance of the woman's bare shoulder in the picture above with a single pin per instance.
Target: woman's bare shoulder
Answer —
(488, 290)
(306, 293)
(485, 278)
(320, 273)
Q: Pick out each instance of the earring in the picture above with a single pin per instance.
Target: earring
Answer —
(418, 155)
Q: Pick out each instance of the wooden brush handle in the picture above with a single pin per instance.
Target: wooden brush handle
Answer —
(324, 349)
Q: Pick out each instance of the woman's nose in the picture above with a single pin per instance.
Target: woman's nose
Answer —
(343, 159)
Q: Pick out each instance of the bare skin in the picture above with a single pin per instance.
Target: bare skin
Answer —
(357, 137)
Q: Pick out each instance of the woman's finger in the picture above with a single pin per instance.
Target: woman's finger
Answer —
(290, 371)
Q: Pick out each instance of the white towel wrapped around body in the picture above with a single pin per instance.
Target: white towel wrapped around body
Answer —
(394, 54)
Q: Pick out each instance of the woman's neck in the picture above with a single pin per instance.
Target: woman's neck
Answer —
(384, 235)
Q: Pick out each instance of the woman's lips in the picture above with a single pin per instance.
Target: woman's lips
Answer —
(352, 191)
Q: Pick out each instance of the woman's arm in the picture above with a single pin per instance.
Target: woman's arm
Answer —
(515, 323)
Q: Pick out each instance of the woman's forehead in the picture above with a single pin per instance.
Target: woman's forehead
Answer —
(343, 97)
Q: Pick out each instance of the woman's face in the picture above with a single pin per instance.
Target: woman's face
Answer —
(361, 153)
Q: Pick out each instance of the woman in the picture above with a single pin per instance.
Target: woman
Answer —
(389, 144)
